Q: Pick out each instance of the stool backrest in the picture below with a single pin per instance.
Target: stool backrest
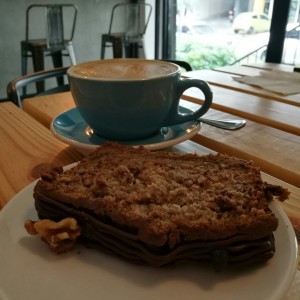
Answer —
(136, 18)
(54, 23)
(55, 27)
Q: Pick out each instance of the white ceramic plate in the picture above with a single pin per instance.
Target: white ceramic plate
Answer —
(71, 128)
(28, 270)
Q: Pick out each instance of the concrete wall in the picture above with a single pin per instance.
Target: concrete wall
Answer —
(93, 20)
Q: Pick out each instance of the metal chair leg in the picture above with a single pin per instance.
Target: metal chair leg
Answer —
(71, 52)
(102, 53)
(38, 64)
(117, 47)
(58, 62)
(24, 64)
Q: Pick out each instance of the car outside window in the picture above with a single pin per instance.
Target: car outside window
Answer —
(264, 17)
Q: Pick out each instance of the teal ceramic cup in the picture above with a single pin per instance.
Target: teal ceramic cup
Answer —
(129, 99)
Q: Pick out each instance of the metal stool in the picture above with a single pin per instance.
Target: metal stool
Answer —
(54, 43)
(130, 35)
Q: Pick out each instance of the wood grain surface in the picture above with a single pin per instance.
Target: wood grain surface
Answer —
(226, 80)
(258, 109)
(27, 149)
(275, 151)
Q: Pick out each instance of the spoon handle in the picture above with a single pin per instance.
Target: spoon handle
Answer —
(224, 124)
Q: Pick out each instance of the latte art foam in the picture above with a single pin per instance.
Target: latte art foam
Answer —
(123, 69)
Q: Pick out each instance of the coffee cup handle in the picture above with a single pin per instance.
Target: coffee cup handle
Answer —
(175, 117)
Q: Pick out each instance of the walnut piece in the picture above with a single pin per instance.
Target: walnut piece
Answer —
(60, 236)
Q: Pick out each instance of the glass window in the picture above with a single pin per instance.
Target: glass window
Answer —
(264, 17)
(222, 32)
(291, 50)
(228, 34)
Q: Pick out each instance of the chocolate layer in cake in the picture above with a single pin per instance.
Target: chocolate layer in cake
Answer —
(234, 251)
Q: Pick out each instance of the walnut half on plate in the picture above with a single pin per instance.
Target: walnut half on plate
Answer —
(60, 236)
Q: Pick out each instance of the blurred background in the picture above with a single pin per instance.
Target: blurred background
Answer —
(207, 34)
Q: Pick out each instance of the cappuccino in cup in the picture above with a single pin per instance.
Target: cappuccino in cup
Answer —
(123, 69)
(126, 99)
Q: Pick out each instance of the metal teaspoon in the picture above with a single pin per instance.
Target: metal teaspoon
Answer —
(224, 124)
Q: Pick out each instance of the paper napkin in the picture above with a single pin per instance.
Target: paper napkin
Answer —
(281, 82)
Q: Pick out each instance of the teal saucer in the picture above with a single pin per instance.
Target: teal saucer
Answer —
(72, 129)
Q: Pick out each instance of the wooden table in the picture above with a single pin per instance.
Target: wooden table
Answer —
(27, 149)
(222, 77)
(271, 137)
(248, 143)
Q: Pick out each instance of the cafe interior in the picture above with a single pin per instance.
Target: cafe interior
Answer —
(254, 116)
(88, 26)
